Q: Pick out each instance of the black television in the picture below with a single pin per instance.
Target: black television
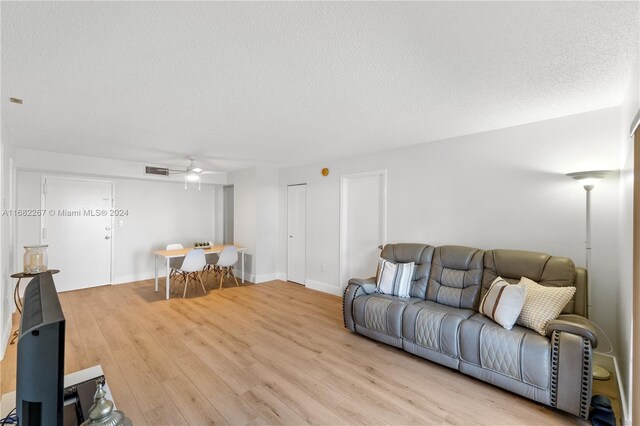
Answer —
(40, 369)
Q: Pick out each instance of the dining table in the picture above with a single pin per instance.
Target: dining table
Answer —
(167, 255)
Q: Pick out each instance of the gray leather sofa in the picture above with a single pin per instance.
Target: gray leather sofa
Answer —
(440, 321)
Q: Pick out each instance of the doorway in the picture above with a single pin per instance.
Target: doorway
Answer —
(297, 233)
(77, 226)
(363, 223)
(227, 202)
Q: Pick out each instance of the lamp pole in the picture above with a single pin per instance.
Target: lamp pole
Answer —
(588, 179)
(588, 189)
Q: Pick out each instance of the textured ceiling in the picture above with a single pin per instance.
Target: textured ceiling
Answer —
(292, 83)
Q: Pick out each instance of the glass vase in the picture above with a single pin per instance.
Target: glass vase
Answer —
(35, 259)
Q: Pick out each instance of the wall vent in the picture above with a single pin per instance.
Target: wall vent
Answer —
(156, 171)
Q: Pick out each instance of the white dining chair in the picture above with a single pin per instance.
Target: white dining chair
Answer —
(227, 258)
(175, 262)
(191, 269)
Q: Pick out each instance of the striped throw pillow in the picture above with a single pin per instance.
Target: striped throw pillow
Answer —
(394, 278)
(503, 302)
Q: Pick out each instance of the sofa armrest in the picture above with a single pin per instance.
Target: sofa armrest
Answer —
(356, 287)
(574, 324)
(368, 284)
(571, 377)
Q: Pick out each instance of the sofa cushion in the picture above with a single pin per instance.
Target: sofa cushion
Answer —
(394, 278)
(420, 254)
(543, 304)
(503, 302)
(519, 353)
(381, 312)
(549, 271)
(456, 276)
(434, 326)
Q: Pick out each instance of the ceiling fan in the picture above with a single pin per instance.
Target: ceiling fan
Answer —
(192, 169)
(191, 173)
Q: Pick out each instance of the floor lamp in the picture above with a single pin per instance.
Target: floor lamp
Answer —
(589, 179)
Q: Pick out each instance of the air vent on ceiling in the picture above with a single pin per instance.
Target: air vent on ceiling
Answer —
(157, 171)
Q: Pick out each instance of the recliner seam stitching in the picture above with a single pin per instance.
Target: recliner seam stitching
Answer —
(415, 327)
(386, 319)
(458, 339)
(365, 312)
(544, 266)
(520, 358)
(440, 345)
(464, 275)
(479, 349)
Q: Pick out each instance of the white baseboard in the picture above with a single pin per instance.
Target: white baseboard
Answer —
(323, 287)
(6, 334)
(257, 279)
(626, 419)
(610, 362)
(281, 276)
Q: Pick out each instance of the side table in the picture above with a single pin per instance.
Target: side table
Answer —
(16, 293)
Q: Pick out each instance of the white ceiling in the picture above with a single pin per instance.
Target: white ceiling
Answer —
(292, 83)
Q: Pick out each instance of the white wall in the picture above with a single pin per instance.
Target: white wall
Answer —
(267, 224)
(218, 232)
(499, 189)
(159, 213)
(7, 240)
(245, 215)
(624, 316)
(255, 213)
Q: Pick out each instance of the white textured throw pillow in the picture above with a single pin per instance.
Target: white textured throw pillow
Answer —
(543, 304)
(394, 278)
(503, 302)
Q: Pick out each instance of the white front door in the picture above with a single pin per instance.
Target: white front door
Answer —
(77, 226)
(296, 233)
(363, 223)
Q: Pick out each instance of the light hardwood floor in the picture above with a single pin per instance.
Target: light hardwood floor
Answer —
(274, 353)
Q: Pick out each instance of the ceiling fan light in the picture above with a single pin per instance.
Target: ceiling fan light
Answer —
(192, 177)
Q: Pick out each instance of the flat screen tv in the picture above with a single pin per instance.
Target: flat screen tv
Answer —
(40, 369)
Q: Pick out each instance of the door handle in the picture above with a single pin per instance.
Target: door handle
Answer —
(290, 236)
(106, 237)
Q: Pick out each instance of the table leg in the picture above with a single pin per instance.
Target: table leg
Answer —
(242, 266)
(18, 302)
(167, 283)
(15, 336)
(155, 269)
(16, 296)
